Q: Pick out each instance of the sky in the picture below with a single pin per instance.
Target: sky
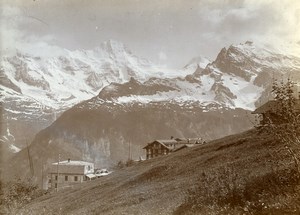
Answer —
(166, 32)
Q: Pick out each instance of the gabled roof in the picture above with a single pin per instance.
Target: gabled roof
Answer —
(170, 141)
(91, 176)
(73, 163)
(165, 143)
(273, 106)
(190, 140)
(174, 144)
(182, 146)
(72, 167)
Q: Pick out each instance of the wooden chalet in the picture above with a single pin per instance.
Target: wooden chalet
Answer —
(164, 147)
(269, 111)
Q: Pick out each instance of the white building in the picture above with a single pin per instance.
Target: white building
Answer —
(66, 173)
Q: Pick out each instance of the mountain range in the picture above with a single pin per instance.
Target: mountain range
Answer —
(110, 103)
(36, 90)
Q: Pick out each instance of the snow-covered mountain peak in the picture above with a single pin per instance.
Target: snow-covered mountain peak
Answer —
(262, 52)
(250, 49)
(249, 61)
(198, 61)
(196, 66)
(77, 75)
(113, 46)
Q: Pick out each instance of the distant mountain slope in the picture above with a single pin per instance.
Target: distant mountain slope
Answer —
(101, 131)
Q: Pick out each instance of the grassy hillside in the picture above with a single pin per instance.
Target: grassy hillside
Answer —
(240, 174)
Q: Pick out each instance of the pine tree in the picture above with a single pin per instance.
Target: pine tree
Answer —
(284, 126)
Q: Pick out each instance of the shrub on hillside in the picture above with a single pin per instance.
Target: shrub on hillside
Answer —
(222, 191)
(121, 164)
(284, 123)
(129, 162)
(15, 194)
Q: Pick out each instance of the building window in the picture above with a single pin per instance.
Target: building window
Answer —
(49, 181)
(55, 185)
(89, 168)
(56, 178)
(75, 178)
(66, 178)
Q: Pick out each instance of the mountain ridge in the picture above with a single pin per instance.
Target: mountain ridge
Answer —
(35, 90)
(238, 78)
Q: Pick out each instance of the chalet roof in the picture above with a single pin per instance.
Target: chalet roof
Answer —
(190, 140)
(182, 146)
(165, 143)
(172, 144)
(73, 163)
(91, 176)
(72, 167)
(273, 106)
(67, 169)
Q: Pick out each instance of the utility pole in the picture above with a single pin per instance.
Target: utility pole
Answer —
(57, 173)
(29, 160)
(42, 174)
(43, 166)
(129, 151)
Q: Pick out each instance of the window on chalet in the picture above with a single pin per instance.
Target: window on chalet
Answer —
(66, 178)
(56, 178)
(75, 178)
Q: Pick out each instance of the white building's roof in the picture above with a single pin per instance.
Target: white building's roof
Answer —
(73, 163)
(91, 176)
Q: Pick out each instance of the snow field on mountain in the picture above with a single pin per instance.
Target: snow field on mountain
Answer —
(63, 81)
(246, 92)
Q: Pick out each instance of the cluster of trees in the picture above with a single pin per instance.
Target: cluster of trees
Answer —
(285, 125)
